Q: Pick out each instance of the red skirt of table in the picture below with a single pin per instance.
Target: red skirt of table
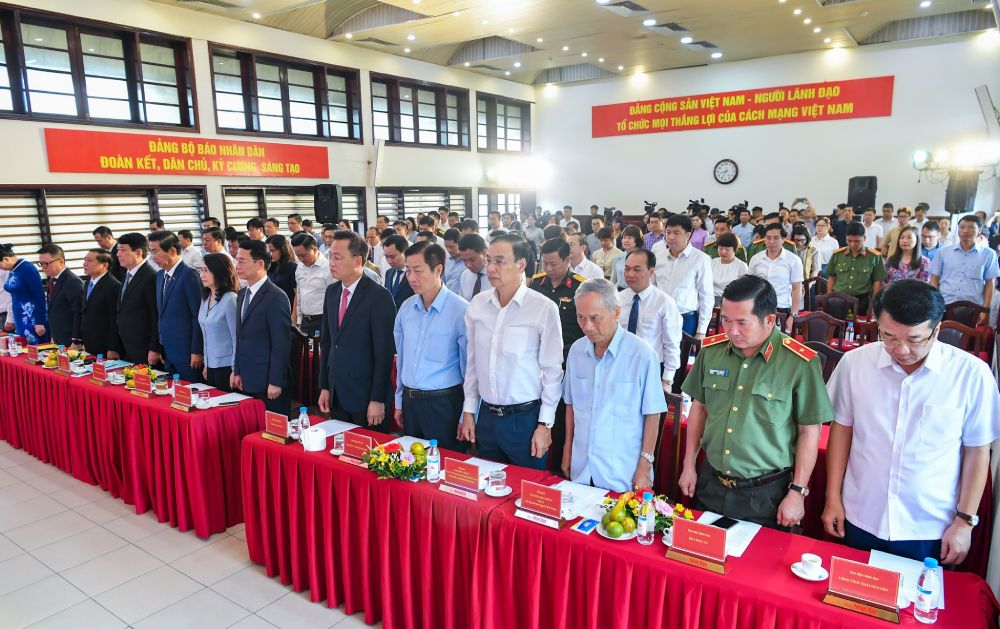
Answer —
(403, 553)
(182, 466)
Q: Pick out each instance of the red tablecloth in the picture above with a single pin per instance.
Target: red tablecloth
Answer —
(403, 553)
(183, 466)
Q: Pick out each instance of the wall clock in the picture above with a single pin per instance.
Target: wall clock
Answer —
(726, 171)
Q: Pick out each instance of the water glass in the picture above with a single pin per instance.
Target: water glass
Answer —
(338, 442)
(568, 505)
(204, 400)
(498, 481)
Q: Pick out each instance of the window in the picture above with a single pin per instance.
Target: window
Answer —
(497, 201)
(412, 113)
(182, 209)
(502, 124)
(397, 203)
(71, 69)
(242, 204)
(255, 93)
(19, 222)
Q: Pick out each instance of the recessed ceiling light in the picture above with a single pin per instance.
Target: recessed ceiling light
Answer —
(565, 48)
(39, 39)
(600, 60)
(716, 55)
(406, 50)
(817, 29)
(620, 68)
(510, 30)
(539, 40)
(507, 73)
(485, 22)
(649, 22)
(603, 1)
(255, 15)
(90, 50)
(416, 1)
(782, 1)
(797, 12)
(687, 40)
(456, 13)
(411, 38)
(517, 64)
(467, 64)
(583, 54)
(827, 40)
(925, 4)
(808, 20)
(348, 35)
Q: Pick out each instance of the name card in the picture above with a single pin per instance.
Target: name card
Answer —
(99, 373)
(356, 446)
(461, 479)
(275, 428)
(700, 545)
(540, 499)
(32, 354)
(863, 588)
(182, 395)
(143, 385)
(62, 360)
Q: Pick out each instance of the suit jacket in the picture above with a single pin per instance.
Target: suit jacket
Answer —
(65, 306)
(403, 289)
(263, 338)
(116, 269)
(138, 322)
(177, 307)
(100, 313)
(356, 357)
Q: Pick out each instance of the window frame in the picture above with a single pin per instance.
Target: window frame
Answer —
(11, 19)
(393, 85)
(262, 195)
(400, 193)
(492, 100)
(248, 59)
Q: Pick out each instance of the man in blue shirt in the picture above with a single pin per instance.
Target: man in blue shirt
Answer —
(744, 230)
(453, 265)
(613, 397)
(430, 351)
(930, 239)
(965, 271)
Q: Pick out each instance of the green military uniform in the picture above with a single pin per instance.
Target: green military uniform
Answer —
(758, 245)
(754, 409)
(562, 295)
(712, 250)
(856, 275)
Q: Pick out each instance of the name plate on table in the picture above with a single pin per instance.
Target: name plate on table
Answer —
(99, 374)
(541, 505)
(461, 479)
(276, 428)
(62, 364)
(700, 545)
(32, 358)
(864, 589)
(143, 385)
(356, 447)
(182, 399)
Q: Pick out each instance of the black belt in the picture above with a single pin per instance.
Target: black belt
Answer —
(419, 394)
(511, 409)
(310, 318)
(731, 482)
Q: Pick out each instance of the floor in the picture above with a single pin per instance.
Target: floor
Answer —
(73, 556)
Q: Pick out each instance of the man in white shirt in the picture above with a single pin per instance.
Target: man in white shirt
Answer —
(947, 238)
(514, 370)
(909, 450)
(312, 276)
(782, 268)
(685, 274)
(873, 231)
(190, 255)
(473, 280)
(919, 216)
(651, 314)
(326, 239)
(578, 263)
(888, 220)
(376, 254)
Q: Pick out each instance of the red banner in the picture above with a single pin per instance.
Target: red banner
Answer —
(807, 102)
(75, 151)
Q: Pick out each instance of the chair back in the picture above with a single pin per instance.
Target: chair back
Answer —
(838, 304)
(972, 340)
(666, 470)
(828, 357)
(819, 326)
(300, 367)
(964, 312)
(813, 287)
(690, 346)
(866, 331)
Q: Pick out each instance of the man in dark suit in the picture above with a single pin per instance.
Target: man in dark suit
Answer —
(100, 304)
(106, 240)
(178, 298)
(138, 323)
(395, 276)
(263, 331)
(356, 345)
(64, 295)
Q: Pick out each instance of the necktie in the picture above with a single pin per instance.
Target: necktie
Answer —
(344, 296)
(128, 278)
(633, 315)
(166, 283)
(479, 284)
(51, 286)
(246, 304)
(90, 289)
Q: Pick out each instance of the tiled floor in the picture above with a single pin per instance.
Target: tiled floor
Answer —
(71, 556)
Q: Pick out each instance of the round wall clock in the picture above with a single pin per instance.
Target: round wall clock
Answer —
(725, 171)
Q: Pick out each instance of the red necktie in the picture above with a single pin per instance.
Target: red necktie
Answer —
(343, 306)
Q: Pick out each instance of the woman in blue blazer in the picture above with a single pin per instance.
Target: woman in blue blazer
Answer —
(217, 317)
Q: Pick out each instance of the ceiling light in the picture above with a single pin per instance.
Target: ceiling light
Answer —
(411, 38)
(687, 40)
(456, 13)
(539, 40)
(620, 68)
(716, 55)
(817, 29)
(348, 36)
(406, 50)
(600, 60)
(808, 20)
(416, 1)
(39, 39)
(583, 54)
(467, 64)
(782, 1)
(517, 64)
(485, 22)
(507, 73)
(255, 15)
(603, 1)
(90, 50)
(925, 4)
(827, 40)
(565, 48)
(797, 12)
(649, 22)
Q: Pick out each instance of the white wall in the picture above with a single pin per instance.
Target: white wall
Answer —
(933, 106)
(24, 160)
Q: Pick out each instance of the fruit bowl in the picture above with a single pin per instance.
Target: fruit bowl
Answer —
(620, 537)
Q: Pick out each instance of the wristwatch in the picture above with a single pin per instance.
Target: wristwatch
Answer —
(971, 519)
(549, 426)
(649, 457)
(799, 488)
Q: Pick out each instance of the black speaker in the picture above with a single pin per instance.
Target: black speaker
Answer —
(861, 193)
(326, 203)
(961, 194)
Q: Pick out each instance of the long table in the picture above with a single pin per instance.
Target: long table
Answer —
(412, 556)
(182, 466)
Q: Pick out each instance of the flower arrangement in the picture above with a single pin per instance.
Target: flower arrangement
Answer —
(389, 460)
(131, 371)
(625, 511)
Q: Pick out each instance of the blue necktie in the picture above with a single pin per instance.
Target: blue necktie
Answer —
(633, 315)
(90, 289)
(128, 278)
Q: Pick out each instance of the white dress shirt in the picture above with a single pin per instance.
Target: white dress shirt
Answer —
(723, 274)
(903, 472)
(467, 284)
(826, 247)
(311, 282)
(688, 279)
(251, 291)
(873, 234)
(587, 269)
(515, 352)
(5, 301)
(350, 293)
(659, 325)
(781, 272)
(191, 256)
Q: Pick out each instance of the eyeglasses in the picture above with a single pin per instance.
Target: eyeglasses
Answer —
(910, 345)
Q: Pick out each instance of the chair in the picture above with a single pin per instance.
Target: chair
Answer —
(837, 304)
(819, 326)
(666, 470)
(813, 287)
(781, 320)
(964, 312)
(690, 346)
(865, 331)
(715, 323)
(972, 340)
(828, 357)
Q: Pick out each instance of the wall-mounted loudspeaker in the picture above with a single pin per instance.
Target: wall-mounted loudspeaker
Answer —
(326, 203)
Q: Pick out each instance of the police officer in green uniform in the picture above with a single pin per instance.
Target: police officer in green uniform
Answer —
(758, 242)
(855, 270)
(758, 403)
(559, 284)
(712, 249)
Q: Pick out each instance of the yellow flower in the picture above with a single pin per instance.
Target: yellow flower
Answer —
(688, 515)
(405, 463)
(633, 503)
(680, 508)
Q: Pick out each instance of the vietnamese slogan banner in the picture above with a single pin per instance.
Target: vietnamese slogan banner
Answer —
(808, 102)
(75, 151)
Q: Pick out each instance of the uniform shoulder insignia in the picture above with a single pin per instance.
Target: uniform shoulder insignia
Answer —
(715, 339)
(538, 275)
(791, 242)
(874, 251)
(841, 250)
(758, 241)
(579, 278)
(798, 349)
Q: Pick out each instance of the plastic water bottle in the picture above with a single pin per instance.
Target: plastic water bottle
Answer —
(646, 526)
(925, 607)
(433, 462)
(295, 427)
(303, 420)
(849, 333)
(100, 359)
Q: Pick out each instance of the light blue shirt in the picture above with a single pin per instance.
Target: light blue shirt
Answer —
(964, 273)
(930, 254)
(218, 328)
(744, 233)
(610, 396)
(430, 343)
(453, 268)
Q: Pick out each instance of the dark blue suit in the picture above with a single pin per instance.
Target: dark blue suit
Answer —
(399, 288)
(263, 344)
(356, 356)
(177, 307)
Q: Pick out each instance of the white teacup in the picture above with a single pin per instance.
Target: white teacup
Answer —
(811, 564)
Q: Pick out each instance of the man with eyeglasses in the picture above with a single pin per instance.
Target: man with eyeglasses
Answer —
(966, 271)
(909, 450)
(64, 291)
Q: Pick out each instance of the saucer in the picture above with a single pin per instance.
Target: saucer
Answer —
(800, 573)
(336, 452)
(506, 492)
